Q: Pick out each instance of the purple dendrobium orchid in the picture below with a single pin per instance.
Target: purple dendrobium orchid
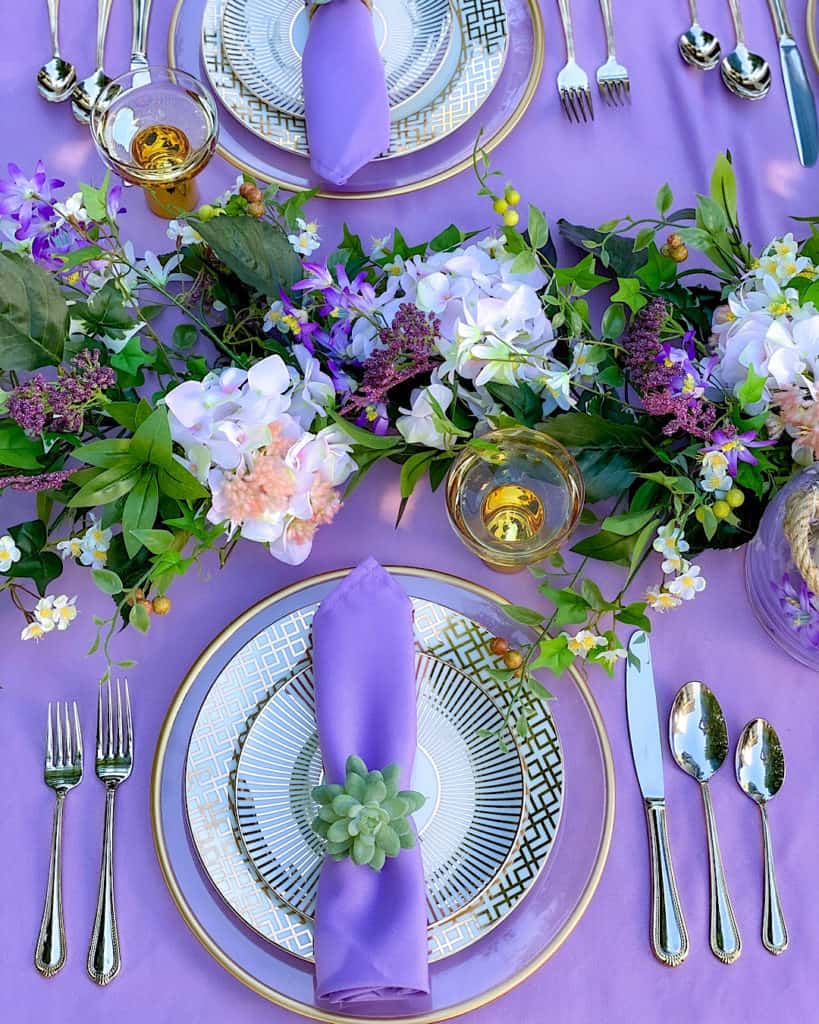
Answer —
(29, 201)
(47, 247)
(736, 447)
(113, 203)
(798, 604)
(320, 278)
(670, 356)
(374, 418)
(342, 381)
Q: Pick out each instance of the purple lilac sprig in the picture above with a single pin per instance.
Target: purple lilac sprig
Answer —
(52, 480)
(409, 348)
(38, 405)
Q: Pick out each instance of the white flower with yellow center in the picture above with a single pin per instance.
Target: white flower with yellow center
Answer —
(70, 548)
(670, 541)
(64, 611)
(584, 642)
(44, 614)
(673, 564)
(33, 631)
(660, 600)
(715, 462)
(611, 656)
(274, 317)
(688, 584)
(9, 553)
(306, 240)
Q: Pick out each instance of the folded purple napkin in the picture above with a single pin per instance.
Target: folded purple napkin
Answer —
(345, 91)
(370, 928)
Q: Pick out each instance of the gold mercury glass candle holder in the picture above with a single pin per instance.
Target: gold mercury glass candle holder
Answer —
(156, 127)
(517, 502)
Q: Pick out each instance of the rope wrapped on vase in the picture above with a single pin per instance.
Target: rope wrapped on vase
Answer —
(799, 527)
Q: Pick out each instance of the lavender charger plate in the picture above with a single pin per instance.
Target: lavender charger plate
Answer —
(520, 944)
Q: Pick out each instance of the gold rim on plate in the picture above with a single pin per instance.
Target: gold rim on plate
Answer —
(535, 71)
(314, 1012)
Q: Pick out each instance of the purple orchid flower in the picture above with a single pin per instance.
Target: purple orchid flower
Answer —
(48, 246)
(342, 381)
(798, 603)
(736, 447)
(113, 203)
(29, 201)
(320, 278)
(374, 418)
(670, 356)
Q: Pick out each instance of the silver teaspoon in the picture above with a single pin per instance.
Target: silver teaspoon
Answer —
(698, 47)
(56, 77)
(760, 768)
(86, 92)
(699, 743)
(746, 74)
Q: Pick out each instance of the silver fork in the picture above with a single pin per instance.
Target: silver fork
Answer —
(572, 80)
(612, 77)
(115, 758)
(62, 773)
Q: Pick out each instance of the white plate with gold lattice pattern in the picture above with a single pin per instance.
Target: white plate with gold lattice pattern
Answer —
(462, 73)
(485, 833)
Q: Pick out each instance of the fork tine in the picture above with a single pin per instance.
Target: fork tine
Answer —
(578, 94)
(109, 749)
(130, 725)
(99, 723)
(570, 93)
(620, 92)
(628, 89)
(586, 93)
(49, 740)
(564, 103)
(58, 717)
(78, 733)
(69, 746)
(120, 747)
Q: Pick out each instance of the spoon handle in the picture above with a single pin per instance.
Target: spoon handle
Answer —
(736, 17)
(669, 937)
(726, 943)
(774, 930)
(54, 25)
(103, 14)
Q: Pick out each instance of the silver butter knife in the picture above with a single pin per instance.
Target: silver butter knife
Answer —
(801, 103)
(669, 936)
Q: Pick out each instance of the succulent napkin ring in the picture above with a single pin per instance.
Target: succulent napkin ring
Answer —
(366, 818)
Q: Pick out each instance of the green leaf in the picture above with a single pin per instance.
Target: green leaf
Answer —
(537, 689)
(105, 311)
(577, 430)
(106, 486)
(30, 537)
(629, 522)
(675, 484)
(185, 335)
(447, 239)
(522, 726)
(130, 359)
(724, 185)
(606, 547)
(593, 596)
(256, 251)
(175, 481)
(128, 414)
(524, 262)
(42, 569)
(643, 239)
(613, 323)
(17, 449)
(140, 510)
(750, 390)
(77, 257)
(152, 441)
(582, 276)
(138, 618)
(664, 199)
(634, 615)
(641, 544)
(94, 199)
(156, 541)
(658, 270)
(521, 400)
(711, 215)
(33, 315)
(554, 654)
(628, 292)
(710, 523)
(570, 607)
(413, 470)
(106, 453)
(366, 438)
(519, 613)
(537, 227)
(107, 581)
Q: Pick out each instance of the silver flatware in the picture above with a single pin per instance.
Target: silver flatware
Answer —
(746, 74)
(612, 77)
(697, 47)
(86, 92)
(141, 17)
(115, 759)
(572, 80)
(801, 103)
(760, 768)
(699, 742)
(63, 771)
(56, 77)
(669, 936)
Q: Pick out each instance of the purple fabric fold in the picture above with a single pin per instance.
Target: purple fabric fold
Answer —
(345, 91)
(370, 932)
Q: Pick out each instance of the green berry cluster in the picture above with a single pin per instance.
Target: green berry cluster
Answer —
(367, 817)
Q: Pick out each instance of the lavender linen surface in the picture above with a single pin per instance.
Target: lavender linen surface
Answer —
(345, 91)
(371, 928)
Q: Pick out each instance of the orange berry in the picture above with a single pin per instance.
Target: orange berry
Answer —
(513, 659)
(162, 605)
(498, 645)
(147, 605)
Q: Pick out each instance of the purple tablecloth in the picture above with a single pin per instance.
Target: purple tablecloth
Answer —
(605, 972)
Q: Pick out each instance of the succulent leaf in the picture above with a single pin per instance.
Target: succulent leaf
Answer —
(326, 794)
(356, 766)
(392, 778)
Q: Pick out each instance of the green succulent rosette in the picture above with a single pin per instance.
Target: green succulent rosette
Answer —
(367, 818)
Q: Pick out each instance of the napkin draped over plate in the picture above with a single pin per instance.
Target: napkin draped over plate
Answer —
(345, 90)
(370, 932)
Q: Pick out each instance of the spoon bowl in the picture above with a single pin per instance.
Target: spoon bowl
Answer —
(697, 731)
(85, 95)
(746, 74)
(56, 79)
(699, 48)
(760, 763)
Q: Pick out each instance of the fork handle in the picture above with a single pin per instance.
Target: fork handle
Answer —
(103, 955)
(568, 30)
(608, 25)
(49, 955)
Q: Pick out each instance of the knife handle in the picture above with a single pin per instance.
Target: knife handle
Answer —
(782, 23)
(669, 937)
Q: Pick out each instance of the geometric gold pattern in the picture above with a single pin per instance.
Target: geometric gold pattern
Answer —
(267, 664)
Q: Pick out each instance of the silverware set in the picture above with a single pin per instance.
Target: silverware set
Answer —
(698, 737)
(573, 82)
(63, 771)
(748, 75)
(57, 79)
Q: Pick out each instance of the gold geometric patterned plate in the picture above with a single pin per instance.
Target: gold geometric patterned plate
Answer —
(253, 758)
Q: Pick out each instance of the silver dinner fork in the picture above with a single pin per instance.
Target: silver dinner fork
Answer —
(115, 758)
(612, 77)
(62, 773)
(572, 80)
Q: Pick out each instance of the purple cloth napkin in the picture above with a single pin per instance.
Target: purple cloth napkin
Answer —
(370, 928)
(345, 91)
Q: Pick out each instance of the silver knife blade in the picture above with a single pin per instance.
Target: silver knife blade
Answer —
(643, 721)
(801, 102)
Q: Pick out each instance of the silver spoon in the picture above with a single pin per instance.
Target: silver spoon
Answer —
(760, 767)
(699, 742)
(56, 78)
(698, 47)
(746, 74)
(86, 91)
